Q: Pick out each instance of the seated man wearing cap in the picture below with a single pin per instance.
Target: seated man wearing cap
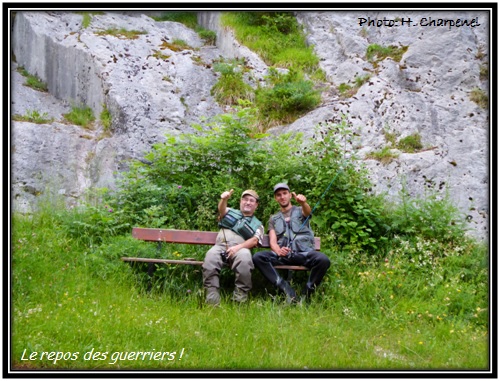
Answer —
(292, 243)
(240, 231)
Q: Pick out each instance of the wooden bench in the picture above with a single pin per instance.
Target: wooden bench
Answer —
(191, 237)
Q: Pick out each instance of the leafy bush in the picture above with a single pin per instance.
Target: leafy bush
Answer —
(432, 217)
(180, 185)
(187, 173)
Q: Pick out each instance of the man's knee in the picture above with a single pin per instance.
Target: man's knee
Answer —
(320, 259)
(243, 260)
(324, 260)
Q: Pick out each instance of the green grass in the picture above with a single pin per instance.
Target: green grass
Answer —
(190, 20)
(81, 116)
(384, 155)
(480, 97)
(376, 53)
(32, 80)
(33, 116)
(411, 143)
(275, 36)
(122, 33)
(76, 297)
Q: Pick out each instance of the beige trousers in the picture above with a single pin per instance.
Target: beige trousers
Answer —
(241, 263)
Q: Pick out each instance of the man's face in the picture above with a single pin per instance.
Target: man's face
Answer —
(283, 196)
(248, 204)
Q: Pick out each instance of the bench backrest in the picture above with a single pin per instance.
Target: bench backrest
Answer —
(193, 237)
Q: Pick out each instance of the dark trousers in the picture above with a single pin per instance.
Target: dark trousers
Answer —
(314, 260)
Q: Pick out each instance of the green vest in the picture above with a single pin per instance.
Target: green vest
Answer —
(302, 236)
(240, 224)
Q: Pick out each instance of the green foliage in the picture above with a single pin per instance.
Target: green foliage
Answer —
(432, 217)
(185, 175)
(33, 116)
(286, 97)
(361, 80)
(209, 36)
(349, 216)
(94, 221)
(81, 116)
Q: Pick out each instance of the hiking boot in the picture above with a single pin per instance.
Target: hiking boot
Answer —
(291, 296)
(239, 296)
(307, 294)
(213, 296)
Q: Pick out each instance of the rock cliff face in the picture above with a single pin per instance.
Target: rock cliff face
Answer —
(151, 86)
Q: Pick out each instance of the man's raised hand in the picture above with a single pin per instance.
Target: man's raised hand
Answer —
(226, 194)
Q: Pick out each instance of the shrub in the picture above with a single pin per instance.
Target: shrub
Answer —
(206, 35)
(185, 175)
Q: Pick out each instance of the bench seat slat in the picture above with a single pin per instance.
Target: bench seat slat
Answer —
(197, 263)
(155, 260)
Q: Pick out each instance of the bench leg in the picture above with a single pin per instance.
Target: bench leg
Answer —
(152, 267)
(151, 271)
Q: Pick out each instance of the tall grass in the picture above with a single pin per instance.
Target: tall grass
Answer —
(393, 313)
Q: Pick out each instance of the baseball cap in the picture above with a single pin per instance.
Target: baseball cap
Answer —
(281, 186)
(251, 193)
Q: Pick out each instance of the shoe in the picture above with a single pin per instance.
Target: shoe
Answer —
(306, 295)
(239, 296)
(213, 296)
(291, 296)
